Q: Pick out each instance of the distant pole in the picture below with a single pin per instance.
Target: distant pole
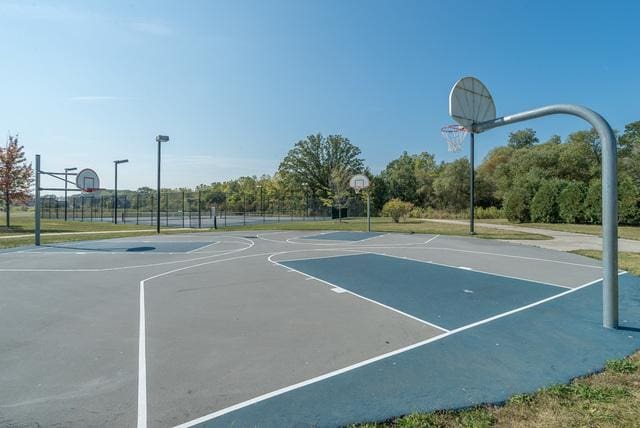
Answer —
(368, 212)
(37, 219)
(158, 193)
(66, 174)
(159, 139)
(199, 210)
(472, 186)
(115, 192)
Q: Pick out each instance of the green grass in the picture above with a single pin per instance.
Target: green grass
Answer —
(607, 399)
(379, 224)
(626, 261)
(627, 232)
(22, 224)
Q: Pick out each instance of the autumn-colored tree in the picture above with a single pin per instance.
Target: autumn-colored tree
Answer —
(15, 175)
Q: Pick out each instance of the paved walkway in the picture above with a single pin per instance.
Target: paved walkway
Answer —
(562, 241)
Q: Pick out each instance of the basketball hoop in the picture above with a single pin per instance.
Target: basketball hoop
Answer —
(359, 182)
(454, 135)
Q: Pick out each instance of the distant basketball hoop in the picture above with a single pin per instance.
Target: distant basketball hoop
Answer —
(359, 182)
(88, 181)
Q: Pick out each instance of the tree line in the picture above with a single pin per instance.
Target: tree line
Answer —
(524, 180)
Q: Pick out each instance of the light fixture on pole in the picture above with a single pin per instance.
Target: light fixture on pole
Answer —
(159, 139)
(115, 193)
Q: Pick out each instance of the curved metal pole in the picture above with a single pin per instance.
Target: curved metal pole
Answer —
(609, 194)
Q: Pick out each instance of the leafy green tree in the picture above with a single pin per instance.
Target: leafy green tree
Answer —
(16, 175)
(629, 141)
(516, 205)
(523, 138)
(396, 209)
(544, 206)
(314, 159)
(628, 200)
(379, 193)
(339, 189)
(571, 202)
(629, 152)
(577, 162)
(451, 186)
(410, 178)
(593, 202)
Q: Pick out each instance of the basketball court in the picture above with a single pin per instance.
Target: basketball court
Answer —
(293, 328)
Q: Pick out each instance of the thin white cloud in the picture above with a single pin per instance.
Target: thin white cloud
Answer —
(152, 28)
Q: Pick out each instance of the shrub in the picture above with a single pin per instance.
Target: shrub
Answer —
(488, 212)
(628, 210)
(516, 205)
(571, 202)
(544, 206)
(593, 203)
(396, 209)
(419, 212)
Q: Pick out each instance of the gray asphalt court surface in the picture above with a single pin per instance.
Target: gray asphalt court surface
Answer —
(292, 328)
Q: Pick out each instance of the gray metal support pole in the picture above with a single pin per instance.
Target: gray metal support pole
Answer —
(65, 194)
(368, 212)
(472, 185)
(158, 201)
(199, 210)
(37, 219)
(115, 196)
(609, 194)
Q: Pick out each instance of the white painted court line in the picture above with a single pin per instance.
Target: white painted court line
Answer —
(334, 373)
(474, 270)
(142, 355)
(203, 247)
(289, 269)
(360, 252)
(142, 364)
(173, 262)
(373, 237)
(429, 240)
(516, 257)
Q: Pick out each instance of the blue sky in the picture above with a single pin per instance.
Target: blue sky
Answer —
(236, 83)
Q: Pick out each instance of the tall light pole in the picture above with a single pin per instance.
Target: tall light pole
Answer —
(66, 175)
(305, 188)
(259, 186)
(159, 139)
(115, 193)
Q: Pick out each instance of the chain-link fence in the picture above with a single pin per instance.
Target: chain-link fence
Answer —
(190, 209)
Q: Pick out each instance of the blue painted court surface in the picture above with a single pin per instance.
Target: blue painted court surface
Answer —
(445, 296)
(546, 344)
(115, 246)
(344, 236)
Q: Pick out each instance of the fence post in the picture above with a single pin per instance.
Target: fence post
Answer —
(166, 208)
(199, 212)
(124, 210)
(137, 207)
(183, 209)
